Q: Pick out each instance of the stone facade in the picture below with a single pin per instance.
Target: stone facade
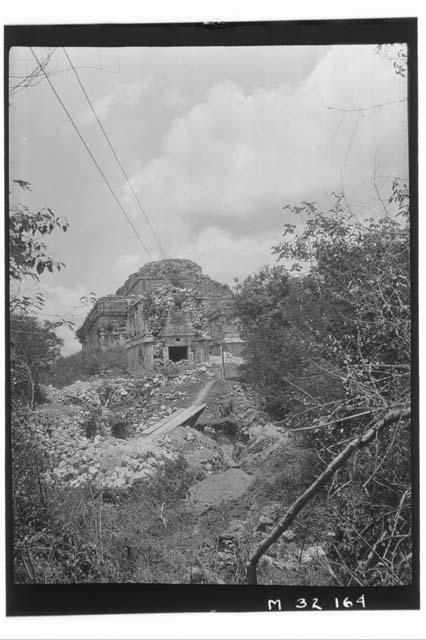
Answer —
(164, 312)
(105, 325)
(166, 325)
(223, 328)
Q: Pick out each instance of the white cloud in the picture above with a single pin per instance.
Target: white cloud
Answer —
(64, 303)
(129, 261)
(234, 159)
(70, 343)
(231, 135)
(174, 98)
(216, 250)
(123, 94)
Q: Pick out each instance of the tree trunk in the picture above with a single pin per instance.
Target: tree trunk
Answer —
(357, 443)
(222, 357)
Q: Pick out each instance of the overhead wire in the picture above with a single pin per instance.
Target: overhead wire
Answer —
(113, 151)
(80, 135)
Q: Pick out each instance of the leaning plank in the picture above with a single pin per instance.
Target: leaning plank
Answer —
(187, 416)
(195, 414)
(162, 422)
(193, 419)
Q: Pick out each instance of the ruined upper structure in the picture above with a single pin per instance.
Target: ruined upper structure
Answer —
(183, 274)
(168, 324)
(105, 324)
(168, 310)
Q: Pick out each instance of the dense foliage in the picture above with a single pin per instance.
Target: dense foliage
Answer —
(28, 256)
(328, 347)
(68, 535)
(34, 346)
(84, 364)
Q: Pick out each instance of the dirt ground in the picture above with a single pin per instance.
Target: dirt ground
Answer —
(230, 478)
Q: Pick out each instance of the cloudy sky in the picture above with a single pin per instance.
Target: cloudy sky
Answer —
(215, 142)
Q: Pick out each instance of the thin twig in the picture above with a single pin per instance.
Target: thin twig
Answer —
(397, 516)
(161, 515)
(328, 424)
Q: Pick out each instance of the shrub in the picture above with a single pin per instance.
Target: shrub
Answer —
(44, 550)
(69, 535)
(328, 345)
(84, 364)
(33, 348)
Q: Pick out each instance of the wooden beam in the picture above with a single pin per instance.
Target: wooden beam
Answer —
(162, 422)
(179, 418)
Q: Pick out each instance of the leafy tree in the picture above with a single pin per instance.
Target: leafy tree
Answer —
(34, 347)
(84, 364)
(33, 344)
(359, 282)
(397, 54)
(328, 346)
(27, 249)
(269, 305)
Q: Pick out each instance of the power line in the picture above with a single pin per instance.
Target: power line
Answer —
(91, 155)
(114, 153)
(374, 106)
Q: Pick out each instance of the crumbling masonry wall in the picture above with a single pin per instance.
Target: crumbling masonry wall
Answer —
(159, 313)
(167, 324)
(105, 325)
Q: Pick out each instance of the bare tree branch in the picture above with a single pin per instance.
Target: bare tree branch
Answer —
(357, 443)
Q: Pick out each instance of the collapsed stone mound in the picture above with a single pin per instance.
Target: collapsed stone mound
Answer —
(178, 272)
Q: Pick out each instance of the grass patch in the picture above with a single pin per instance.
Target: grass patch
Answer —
(84, 364)
(141, 536)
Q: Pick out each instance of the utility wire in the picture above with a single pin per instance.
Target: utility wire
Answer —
(374, 106)
(91, 155)
(145, 215)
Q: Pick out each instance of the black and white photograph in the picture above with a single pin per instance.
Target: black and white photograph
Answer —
(211, 314)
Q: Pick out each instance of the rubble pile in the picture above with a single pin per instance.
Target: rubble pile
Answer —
(286, 555)
(103, 391)
(236, 414)
(104, 462)
(79, 393)
(83, 445)
(139, 401)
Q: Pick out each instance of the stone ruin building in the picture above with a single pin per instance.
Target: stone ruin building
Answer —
(167, 311)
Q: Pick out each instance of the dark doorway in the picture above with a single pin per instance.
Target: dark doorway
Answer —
(178, 353)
